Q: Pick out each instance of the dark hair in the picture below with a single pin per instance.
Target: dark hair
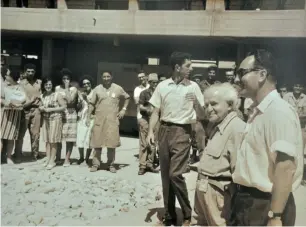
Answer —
(283, 85)
(86, 77)
(15, 75)
(212, 67)
(4, 70)
(46, 80)
(142, 71)
(264, 60)
(109, 72)
(66, 72)
(29, 66)
(178, 58)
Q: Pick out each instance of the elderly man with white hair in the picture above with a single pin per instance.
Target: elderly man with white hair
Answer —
(224, 131)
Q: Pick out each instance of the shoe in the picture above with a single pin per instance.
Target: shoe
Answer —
(80, 161)
(112, 169)
(186, 223)
(67, 164)
(51, 166)
(141, 171)
(167, 222)
(94, 169)
(152, 170)
(46, 163)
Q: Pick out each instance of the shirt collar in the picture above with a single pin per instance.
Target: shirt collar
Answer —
(263, 105)
(222, 125)
(185, 81)
(301, 96)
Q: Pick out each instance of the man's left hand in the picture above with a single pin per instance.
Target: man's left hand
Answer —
(121, 114)
(275, 222)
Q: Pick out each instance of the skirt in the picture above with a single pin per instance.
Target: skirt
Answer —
(84, 133)
(52, 130)
(69, 132)
(10, 124)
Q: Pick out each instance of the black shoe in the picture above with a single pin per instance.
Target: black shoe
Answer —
(141, 171)
(80, 161)
(152, 170)
(187, 170)
(167, 222)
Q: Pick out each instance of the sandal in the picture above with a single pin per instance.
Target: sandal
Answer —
(51, 166)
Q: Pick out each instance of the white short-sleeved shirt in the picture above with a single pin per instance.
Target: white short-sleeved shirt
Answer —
(273, 127)
(176, 101)
(137, 92)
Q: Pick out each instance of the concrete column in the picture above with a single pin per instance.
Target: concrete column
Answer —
(215, 5)
(133, 5)
(47, 57)
(61, 4)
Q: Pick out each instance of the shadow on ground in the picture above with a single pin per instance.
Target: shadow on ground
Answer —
(160, 212)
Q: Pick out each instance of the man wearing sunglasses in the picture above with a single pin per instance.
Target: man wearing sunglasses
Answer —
(283, 90)
(147, 151)
(269, 162)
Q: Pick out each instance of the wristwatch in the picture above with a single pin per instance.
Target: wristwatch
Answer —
(271, 214)
(124, 108)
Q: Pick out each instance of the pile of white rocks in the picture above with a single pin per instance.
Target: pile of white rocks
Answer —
(34, 197)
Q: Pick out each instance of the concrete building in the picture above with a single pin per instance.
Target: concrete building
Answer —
(89, 36)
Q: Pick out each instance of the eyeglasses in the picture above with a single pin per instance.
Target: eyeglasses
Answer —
(86, 83)
(242, 72)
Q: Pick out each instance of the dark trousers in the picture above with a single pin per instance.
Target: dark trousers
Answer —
(251, 209)
(22, 3)
(174, 147)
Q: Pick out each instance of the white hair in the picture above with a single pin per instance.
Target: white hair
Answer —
(226, 92)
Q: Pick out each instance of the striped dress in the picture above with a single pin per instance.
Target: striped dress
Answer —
(10, 118)
(70, 116)
(52, 122)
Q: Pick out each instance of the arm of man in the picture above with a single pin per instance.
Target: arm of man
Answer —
(136, 95)
(91, 105)
(155, 101)
(283, 140)
(126, 103)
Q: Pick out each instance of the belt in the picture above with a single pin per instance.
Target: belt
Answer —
(254, 192)
(173, 124)
(216, 181)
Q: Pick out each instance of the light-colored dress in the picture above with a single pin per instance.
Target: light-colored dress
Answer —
(11, 118)
(52, 122)
(105, 131)
(84, 131)
(69, 132)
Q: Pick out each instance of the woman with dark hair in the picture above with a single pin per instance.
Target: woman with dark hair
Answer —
(12, 99)
(69, 133)
(52, 107)
(84, 131)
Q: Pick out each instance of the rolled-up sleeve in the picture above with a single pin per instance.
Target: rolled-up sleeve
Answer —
(156, 98)
(283, 135)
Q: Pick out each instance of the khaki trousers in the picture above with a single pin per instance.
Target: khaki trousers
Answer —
(209, 204)
(30, 121)
(146, 152)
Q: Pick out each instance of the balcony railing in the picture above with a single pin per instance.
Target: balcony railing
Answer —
(159, 4)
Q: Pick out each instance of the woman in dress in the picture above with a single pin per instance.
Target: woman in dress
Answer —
(84, 131)
(12, 99)
(52, 107)
(70, 95)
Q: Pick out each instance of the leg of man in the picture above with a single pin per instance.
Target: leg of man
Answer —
(111, 155)
(24, 122)
(34, 132)
(179, 156)
(164, 159)
(96, 160)
(143, 148)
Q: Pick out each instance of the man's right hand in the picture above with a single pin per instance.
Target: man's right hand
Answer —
(150, 138)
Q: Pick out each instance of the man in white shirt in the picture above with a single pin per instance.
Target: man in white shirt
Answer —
(143, 85)
(173, 101)
(269, 162)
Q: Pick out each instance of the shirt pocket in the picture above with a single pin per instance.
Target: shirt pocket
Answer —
(216, 146)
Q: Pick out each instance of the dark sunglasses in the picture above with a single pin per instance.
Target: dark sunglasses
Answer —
(86, 83)
(242, 72)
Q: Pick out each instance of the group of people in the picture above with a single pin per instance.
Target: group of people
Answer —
(249, 137)
(63, 113)
(250, 160)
